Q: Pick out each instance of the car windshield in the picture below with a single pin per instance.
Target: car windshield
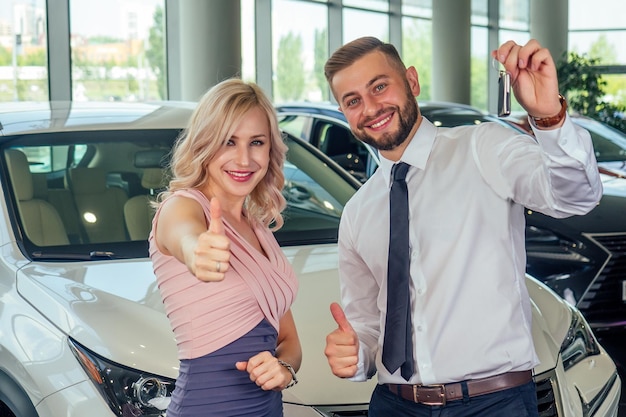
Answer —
(88, 195)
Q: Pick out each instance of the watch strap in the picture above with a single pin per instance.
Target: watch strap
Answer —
(546, 122)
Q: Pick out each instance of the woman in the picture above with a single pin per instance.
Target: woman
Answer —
(226, 285)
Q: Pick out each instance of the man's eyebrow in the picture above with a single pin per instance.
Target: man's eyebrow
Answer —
(374, 79)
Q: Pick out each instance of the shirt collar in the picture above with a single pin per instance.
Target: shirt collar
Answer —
(416, 153)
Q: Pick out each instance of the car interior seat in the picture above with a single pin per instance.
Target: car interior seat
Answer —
(138, 210)
(62, 200)
(41, 221)
(338, 142)
(100, 208)
(342, 147)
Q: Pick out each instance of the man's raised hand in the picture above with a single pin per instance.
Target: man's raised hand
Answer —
(342, 345)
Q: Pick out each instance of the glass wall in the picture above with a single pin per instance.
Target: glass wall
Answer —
(357, 23)
(299, 50)
(118, 50)
(248, 41)
(599, 32)
(417, 51)
(23, 51)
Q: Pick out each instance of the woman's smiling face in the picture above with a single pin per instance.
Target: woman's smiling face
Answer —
(243, 160)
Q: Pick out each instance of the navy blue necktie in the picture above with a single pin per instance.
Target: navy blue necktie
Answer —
(398, 343)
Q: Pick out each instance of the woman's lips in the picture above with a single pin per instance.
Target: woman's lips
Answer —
(240, 176)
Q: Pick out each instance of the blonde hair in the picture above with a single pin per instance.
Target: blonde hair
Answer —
(214, 120)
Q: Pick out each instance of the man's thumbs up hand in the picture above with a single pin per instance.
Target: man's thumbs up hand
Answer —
(342, 345)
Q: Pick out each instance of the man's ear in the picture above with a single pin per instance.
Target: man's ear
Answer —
(413, 79)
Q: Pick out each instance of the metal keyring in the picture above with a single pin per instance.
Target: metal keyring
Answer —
(497, 65)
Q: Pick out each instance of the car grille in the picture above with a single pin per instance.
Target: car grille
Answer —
(603, 303)
(547, 401)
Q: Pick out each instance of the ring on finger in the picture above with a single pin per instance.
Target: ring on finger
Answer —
(218, 266)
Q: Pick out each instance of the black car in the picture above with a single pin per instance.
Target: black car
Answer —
(583, 258)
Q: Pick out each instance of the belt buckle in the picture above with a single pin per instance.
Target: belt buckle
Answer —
(441, 395)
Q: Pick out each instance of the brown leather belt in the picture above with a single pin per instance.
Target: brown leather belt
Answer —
(440, 394)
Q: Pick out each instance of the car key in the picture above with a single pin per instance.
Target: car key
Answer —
(504, 94)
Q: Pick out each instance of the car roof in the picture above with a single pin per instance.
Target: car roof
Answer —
(55, 116)
(430, 107)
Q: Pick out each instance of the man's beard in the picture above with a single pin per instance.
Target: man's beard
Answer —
(388, 141)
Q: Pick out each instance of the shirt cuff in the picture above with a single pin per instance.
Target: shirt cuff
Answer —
(362, 373)
(564, 141)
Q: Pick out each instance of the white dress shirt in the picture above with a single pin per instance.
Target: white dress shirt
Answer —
(468, 187)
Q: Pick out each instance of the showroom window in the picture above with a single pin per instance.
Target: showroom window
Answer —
(598, 32)
(248, 41)
(23, 51)
(299, 50)
(115, 50)
(512, 23)
(417, 51)
(118, 50)
(378, 5)
(357, 23)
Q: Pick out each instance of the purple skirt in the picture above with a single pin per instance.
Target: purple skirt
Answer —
(212, 386)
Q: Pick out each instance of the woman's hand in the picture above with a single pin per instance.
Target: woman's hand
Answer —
(265, 371)
(211, 253)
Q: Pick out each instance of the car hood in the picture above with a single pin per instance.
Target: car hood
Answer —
(613, 186)
(606, 217)
(115, 309)
(112, 308)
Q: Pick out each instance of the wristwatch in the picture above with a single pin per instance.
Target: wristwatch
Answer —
(294, 379)
(546, 122)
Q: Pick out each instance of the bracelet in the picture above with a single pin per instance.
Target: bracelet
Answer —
(294, 380)
(546, 122)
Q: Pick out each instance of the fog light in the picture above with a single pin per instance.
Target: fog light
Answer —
(151, 392)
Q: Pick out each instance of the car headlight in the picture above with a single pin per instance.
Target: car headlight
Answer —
(546, 245)
(564, 264)
(127, 391)
(580, 342)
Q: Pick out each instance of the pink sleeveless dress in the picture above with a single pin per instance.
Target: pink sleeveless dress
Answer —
(219, 323)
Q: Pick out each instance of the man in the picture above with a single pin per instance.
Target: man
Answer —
(465, 346)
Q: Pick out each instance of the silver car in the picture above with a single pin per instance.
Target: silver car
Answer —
(82, 325)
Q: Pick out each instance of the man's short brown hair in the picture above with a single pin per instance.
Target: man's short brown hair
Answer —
(358, 48)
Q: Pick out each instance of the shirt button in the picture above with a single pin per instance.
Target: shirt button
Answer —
(420, 291)
(419, 328)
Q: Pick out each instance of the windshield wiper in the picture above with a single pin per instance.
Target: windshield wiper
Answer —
(93, 255)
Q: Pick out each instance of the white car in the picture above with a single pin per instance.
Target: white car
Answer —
(82, 326)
